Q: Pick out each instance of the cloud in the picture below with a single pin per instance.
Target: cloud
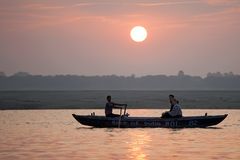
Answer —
(41, 6)
(227, 17)
(170, 3)
(228, 12)
(83, 4)
(220, 2)
(49, 14)
(150, 4)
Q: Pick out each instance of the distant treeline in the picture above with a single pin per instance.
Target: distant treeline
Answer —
(213, 81)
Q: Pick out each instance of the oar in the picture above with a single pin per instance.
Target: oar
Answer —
(119, 121)
(125, 107)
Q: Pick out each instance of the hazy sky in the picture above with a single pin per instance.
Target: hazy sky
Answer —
(92, 37)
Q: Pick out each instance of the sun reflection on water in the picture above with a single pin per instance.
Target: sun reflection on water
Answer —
(138, 144)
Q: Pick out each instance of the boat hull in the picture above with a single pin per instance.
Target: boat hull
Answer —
(149, 122)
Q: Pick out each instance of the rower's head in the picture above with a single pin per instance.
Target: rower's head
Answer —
(109, 98)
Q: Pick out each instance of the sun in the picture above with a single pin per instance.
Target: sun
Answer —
(138, 33)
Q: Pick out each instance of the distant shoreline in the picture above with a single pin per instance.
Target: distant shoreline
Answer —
(86, 90)
(181, 81)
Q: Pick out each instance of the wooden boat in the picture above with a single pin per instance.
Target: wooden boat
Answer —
(150, 122)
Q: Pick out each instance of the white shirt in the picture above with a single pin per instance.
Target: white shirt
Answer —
(176, 111)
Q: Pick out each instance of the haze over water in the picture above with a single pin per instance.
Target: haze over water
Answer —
(54, 134)
(93, 38)
(134, 99)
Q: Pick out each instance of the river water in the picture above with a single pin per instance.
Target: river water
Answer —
(54, 134)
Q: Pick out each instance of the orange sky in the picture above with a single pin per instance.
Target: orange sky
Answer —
(92, 37)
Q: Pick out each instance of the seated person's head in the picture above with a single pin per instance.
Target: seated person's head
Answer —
(171, 97)
(109, 98)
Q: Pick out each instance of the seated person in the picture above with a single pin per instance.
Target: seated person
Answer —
(175, 112)
(171, 98)
(109, 107)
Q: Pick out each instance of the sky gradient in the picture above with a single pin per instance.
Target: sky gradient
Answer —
(92, 37)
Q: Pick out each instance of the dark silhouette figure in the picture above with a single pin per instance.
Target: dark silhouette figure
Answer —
(171, 98)
(109, 107)
(175, 110)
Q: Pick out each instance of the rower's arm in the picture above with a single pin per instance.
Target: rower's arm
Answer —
(117, 107)
(119, 104)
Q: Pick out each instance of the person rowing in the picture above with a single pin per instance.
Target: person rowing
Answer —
(175, 110)
(109, 107)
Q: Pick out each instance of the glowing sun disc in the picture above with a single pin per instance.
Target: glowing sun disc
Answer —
(138, 33)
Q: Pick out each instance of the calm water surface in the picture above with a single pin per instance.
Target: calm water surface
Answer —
(54, 134)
